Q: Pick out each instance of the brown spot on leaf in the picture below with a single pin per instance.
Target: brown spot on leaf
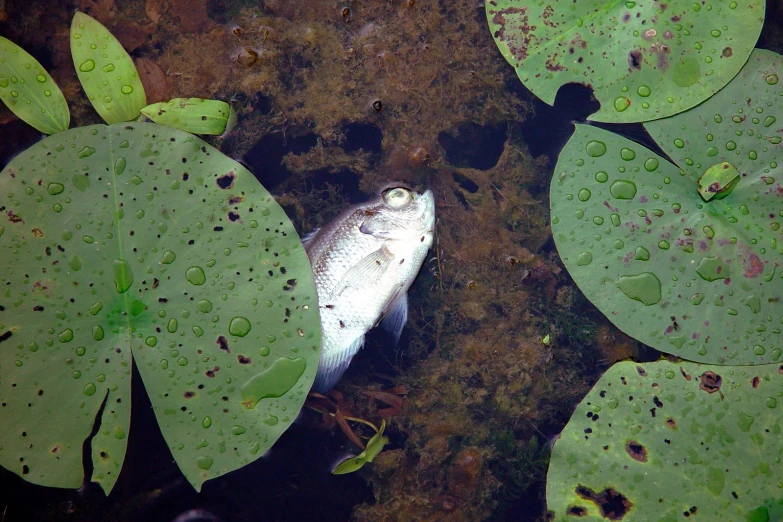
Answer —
(635, 61)
(685, 374)
(577, 511)
(189, 394)
(755, 382)
(243, 360)
(671, 423)
(726, 52)
(636, 451)
(14, 218)
(753, 265)
(222, 342)
(612, 504)
(37, 232)
(710, 382)
(226, 181)
(211, 373)
(641, 371)
(236, 200)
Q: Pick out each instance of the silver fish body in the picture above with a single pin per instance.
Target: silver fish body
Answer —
(363, 264)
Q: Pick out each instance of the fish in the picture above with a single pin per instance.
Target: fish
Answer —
(363, 263)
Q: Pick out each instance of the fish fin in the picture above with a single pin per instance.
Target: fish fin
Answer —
(395, 316)
(331, 368)
(383, 228)
(309, 237)
(366, 272)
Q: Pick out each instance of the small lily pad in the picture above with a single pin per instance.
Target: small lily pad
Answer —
(29, 91)
(688, 259)
(194, 115)
(644, 59)
(106, 71)
(374, 446)
(667, 441)
(140, 243)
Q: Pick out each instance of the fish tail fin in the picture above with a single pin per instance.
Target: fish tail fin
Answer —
(331, 368)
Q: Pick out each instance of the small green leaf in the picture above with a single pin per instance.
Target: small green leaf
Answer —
(106, 71)
(374, 446)
(655, 440)
(193, 115)
(28, 90)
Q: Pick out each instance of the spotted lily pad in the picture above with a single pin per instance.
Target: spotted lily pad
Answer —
(141, 243)
(644, 59)
(106, 71)
(29, 91)
(670, 441)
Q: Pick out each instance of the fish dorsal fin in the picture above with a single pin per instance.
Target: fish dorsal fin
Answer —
(309, 237)
(331, 368)
(367, 272)
(395, 316)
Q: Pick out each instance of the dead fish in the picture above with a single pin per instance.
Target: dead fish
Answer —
(363, 264)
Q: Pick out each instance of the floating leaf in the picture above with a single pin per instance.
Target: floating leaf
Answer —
(105, 70)
(643, 59)
(374, 446)
(193, 115)
(665, 441)
(141, 242)
(683, 269)
(28, 90)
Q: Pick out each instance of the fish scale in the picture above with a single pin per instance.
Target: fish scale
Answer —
(363, 264)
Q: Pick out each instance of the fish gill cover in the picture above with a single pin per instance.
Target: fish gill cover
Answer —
(643, 59)
(138, 242)
(687, 257)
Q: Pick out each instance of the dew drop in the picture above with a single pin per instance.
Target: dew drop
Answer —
(198, 331)
(679, 143)
(771, 79)
(90, 389)
(623, 189)
(584, 194)
(270, 420)
(769, 120)
(151, 341)
(41, 78)
(712, 268)
(601, 176)
(182, 361)
(195, 275)
(771, 402)
(119, 165)
(66, 336)
(55, 188)
(204, 462)
(697, 299)
(80, 351)
(584, 259)
(595, 148)
(643, 91)
(712, 151)
(168, 257)
(239, 326)
(615, 219)
(207, 422)
(97, 333)
(621, 103)
(627, 154)
(126, 89)
(273, 382)
(87, 66)
(172, 326)
(205, 306)
(238, 430)
(650, 164)
(730, 145)
(663, 245)
(264, 351)
(95, 308)
(123, 276)
(644, 288)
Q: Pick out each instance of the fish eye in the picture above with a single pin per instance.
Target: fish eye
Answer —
(397, 197)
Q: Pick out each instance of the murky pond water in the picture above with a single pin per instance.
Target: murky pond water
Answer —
(334, 99)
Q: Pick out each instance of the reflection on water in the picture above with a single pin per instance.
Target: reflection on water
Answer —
(335, 99)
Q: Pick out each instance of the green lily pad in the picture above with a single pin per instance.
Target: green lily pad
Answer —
(374, 446)
(681, 271)
(106, 71)
(644, 59)
(194, 115)
(28, 90)
(666, 441)
(138, 242)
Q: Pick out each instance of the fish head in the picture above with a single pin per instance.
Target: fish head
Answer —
(400, 213)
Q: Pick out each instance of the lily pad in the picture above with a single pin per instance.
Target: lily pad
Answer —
(141, 243)
(666, 441)
(644, 59)
(29, 91)
(194, 115)
(106, 71)
(686, 259)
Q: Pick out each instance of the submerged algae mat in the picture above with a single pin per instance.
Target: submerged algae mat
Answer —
(685, 258)
(669, 440)
(644, 59)
(139, 242)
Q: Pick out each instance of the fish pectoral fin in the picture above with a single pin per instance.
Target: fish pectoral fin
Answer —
(381, 227)
(367, 272)
(309, 237)
(332, 367)
(395, 315)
